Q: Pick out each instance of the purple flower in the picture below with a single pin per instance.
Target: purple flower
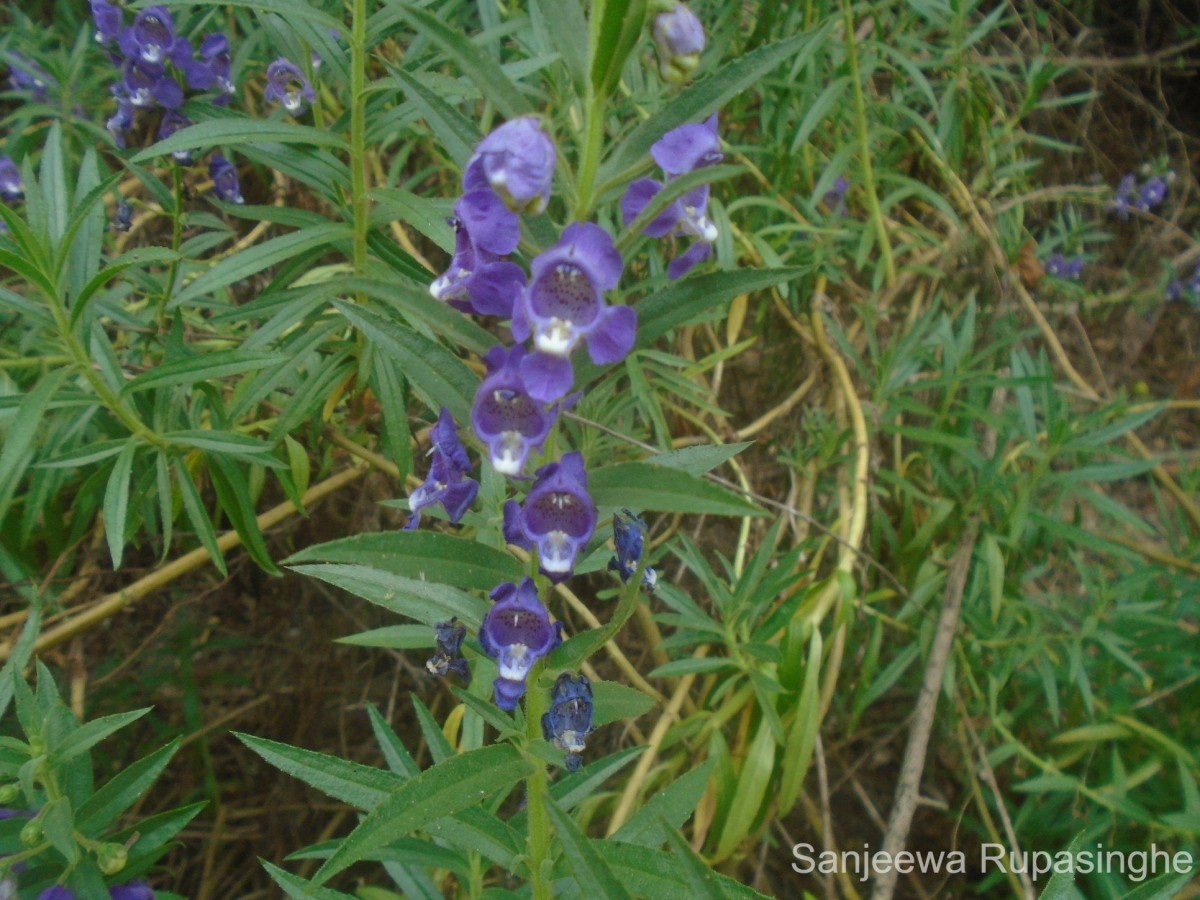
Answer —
(505, 417)
(445, 483)
(172, 122)
(122, 120)
(679, 151)
(225, 179)
(211, 69)
(152, 34)
(679, 37)
(108, 21)
(628, 532)
(1152, 192)
(517, 162)
(149, 83)
(123, 218)
(26, 75)
(569, 721)
(835, 197)
(478, 280)
(558, 516)
(1124, 194)
(448, 656)
(563, 304)
(516, 632)
(12, 189)
(134, 890)
(1060, 266)
(286, 84)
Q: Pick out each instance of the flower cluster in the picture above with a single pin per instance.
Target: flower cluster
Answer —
(1060, 266)
(679, 151)
(1142, 197)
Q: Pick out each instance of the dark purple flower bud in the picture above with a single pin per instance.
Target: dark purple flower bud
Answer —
(478, 280)
(172, 122)
(286, 84)
(225, 179)
(57, 892)
(558, 516)
(123, 217)
(122, 120)
(679, 37)
(135, 890)
(516, 632)
(569, 721)
(563, 304)
(12, 189)
(26, 75)
(108, 21)
(446, 483)
(214, 57)
(517, 162)
(448, 656)
(505, 417)
(628, 532)
(1151, 193)
(153, 33)
(688, 147)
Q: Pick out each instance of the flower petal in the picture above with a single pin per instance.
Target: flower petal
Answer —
(613, 335)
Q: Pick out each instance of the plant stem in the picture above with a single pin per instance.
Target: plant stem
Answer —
(593, 138)
(864, 146)
(360, 203)
(176, 239)
(536, 789)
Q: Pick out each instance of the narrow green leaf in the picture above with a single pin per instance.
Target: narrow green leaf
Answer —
(479, 67)
(586, 865)
(568, 30)
(231, 132)
(15, 453)
(687, 298)
(193, 505)
(206, 367)
(234, 496)
(454, 131)
(431, 369)
(425, 601)
(458, 783)
(615, 35)
(91, 733)
(652, 873)
(757, 769)
(648, 487)
(103, 808)
(698, 460)
(615, 701)
(58, 824)
(363, 787)
(700, 878)
(302, 889)
(261, 256)
(116, 501)
(803, 734)
(424, 555)
(1164, 887)
(673, 805)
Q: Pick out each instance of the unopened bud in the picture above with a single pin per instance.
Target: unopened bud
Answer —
(31, 833)
(679, 37)
(111, 858)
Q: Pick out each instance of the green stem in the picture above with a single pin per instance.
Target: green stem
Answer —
(593, 139)
(176, 240)
(360, 202)
(537, 788)
(864, 146)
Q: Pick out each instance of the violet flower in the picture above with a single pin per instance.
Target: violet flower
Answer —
(134, 890)
(478, 280)
(448, 656)
(108, 20)
(563, 304)
(26, 75)
(569, 721)
(149, 83)
(286, 84)
(679, 37)
(1060, 266)
(445, 483)
(628, 534)
(152, 34)
(12, 189)
(679, 151)
(505, 417)
(516, 632)
(558, 516)
(225, 179)
(122, 120)
(172, 122)
(517, 162)
(211, 67)
(1152, 193)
